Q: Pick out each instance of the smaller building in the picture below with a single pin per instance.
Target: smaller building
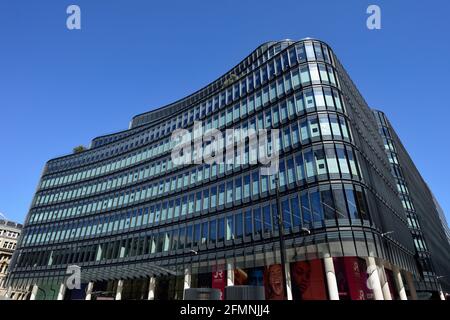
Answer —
(9, 234)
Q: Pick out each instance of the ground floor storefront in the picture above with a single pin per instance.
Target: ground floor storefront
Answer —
(328, 278)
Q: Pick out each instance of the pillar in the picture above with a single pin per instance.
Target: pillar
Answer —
(8, 293)
(412, 288)
(119, 290)
(331, 279)
(399, 283)
(374, 278)
(230, 275)
(61, 292)
(90, 286)
(441, 295)
(151, 288)
(187, 280)
(287, 271)
(384, 283)
(34, 291)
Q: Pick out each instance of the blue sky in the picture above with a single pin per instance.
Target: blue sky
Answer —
(61, 88)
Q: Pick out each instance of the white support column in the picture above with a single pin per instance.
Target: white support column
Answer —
(230, 275)
(61, 292)
(90, 286)
(441, 295)
(287, 271)
(119, 290)
(151, 288)
(374, 278)
(384, 283)
(34, 292)
(399, 283)
(187, 280)
(412, 288)
(331, 279)
(8, 293)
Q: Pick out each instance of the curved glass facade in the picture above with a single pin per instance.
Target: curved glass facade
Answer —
(123, 210)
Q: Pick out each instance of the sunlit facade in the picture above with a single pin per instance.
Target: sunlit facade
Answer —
(140, 227)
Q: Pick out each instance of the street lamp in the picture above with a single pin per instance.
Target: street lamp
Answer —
(281, 232)
(386, 233)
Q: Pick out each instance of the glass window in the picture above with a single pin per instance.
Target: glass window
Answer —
(320, 161)
(309, 100)
(239, 225)
(212, 231)
(309, 51)
(299, 167)
(327, 203)
(342, 159)
(246, 186)
(310, 169)
(335, 127)
(314, 127)
(304, 75)
(248, 222)
(316, 206)
(306, 211)
(351, 202)
(229, 228)
(221, 229)
(331, 160)
(314, 73)
(295, 79)
(286, 214)
(325, 127)
(340, 202)
(257, 220)
(267, 219)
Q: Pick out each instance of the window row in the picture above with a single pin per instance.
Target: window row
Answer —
(300, 53)
(307, 209)
(314, 164)
(311, 128)
(311, 73)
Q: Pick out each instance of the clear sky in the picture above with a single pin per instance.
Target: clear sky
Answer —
(61, 88)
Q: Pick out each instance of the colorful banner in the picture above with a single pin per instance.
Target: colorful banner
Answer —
(273, 282)
(308, 280)
(351, 276)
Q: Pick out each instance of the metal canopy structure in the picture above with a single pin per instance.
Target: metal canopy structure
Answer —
(99, 273)
(125, 272)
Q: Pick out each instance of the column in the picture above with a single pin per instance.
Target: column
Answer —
(287, 271)
(441, 295)
(151, 288)
(331, 279)
(384, 283)
(8, 293)
(412, 288)
(61, 292)
(34, 291)
(119, 290)
(187, 280)
(374, 278)
(90, 286)
(399, 283)
(230, 275)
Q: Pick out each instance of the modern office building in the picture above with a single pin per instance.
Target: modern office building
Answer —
(423, 214)
(9, 234)
(442, 217)
(140, 226)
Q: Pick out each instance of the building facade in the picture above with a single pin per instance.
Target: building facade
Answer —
(424, 215)
(139, 226)
(9, 234)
